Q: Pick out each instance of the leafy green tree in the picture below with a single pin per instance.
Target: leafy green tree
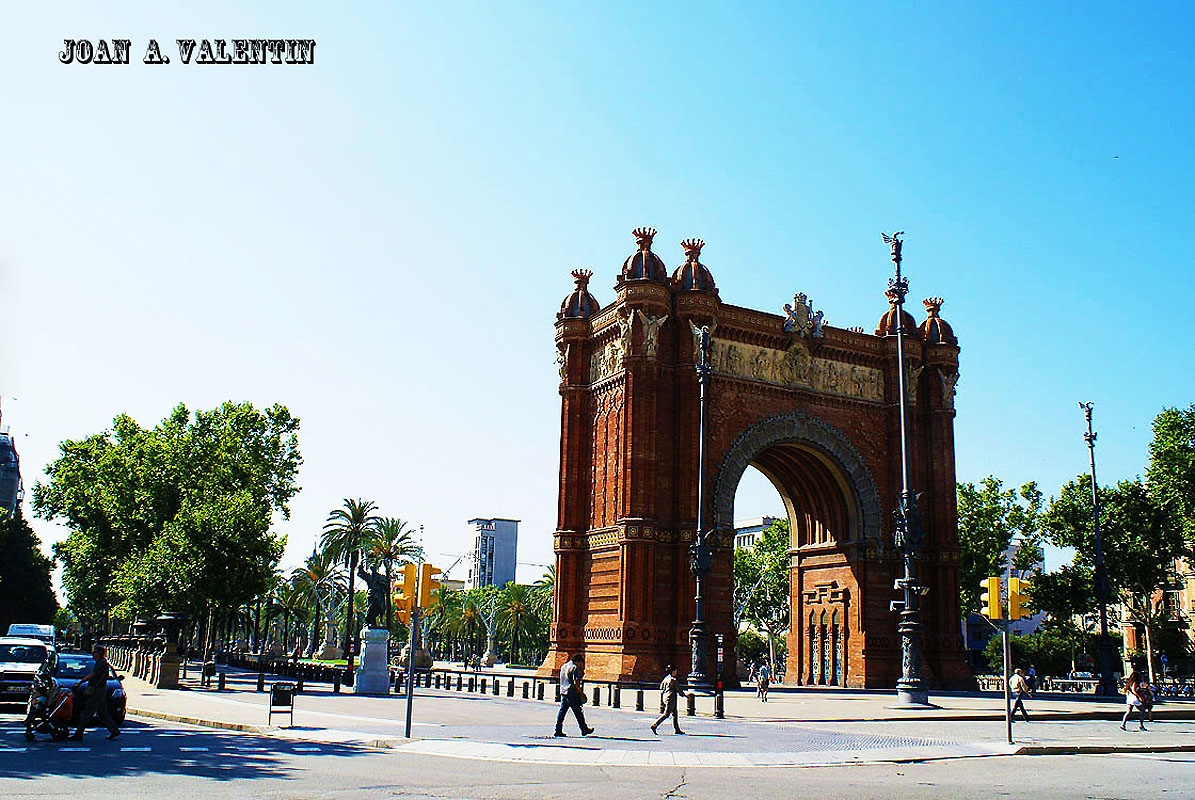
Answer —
(176, 517)
(761, 584)
(1171, 473)
(1141, 540)
(989, 518)
(24, 574)
(344, 538)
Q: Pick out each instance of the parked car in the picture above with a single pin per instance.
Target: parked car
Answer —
(73, 668)
(20, 657)
(27, 630)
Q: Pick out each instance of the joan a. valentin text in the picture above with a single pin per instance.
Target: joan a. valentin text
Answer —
(190, 51)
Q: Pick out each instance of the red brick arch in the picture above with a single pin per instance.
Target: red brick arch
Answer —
(815, 413)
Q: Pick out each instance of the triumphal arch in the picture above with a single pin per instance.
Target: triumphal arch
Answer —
(812, 406)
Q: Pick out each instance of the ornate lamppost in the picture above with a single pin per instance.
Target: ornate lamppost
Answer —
(699, 553)
(1107, 685)
(908, 535)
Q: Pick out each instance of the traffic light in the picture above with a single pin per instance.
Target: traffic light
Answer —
(404, 598)
(990, 599)
(428, 585)
(1018, 598)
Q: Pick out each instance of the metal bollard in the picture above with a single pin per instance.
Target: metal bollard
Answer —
(299, 685)
(526, 689)
(460, 682)
(510, 688)
(539, 691)
(597, 696)
(639, 700)
(483, 685)
(616, 697)
(690, 705)
(261, 682)
(719, 710)
(496, 689)
(437, 680)
(220, 684)
(336, 682)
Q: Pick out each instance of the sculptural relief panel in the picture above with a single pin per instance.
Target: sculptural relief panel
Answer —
(795, 367)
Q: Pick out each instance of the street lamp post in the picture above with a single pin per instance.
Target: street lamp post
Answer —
(1107, 685)
(908, 535)
(699, 553)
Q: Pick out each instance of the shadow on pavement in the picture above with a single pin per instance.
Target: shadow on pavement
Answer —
(215, 755)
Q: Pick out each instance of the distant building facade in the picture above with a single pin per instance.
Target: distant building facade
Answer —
(11, 489)
(748, 531)
(495, 552)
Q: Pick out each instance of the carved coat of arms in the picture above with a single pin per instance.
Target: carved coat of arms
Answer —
(802, 319)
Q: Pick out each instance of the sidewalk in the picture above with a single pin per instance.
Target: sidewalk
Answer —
(795, 728)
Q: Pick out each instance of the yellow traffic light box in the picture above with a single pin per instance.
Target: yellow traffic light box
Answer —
(428, 585)
(990, 599)
(1018, 598)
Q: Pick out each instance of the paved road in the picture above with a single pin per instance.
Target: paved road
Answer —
(170, 760)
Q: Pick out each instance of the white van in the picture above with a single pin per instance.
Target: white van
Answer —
(31, 631)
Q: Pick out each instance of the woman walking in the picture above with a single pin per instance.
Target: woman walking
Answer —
(1132, 700)
(668, 693)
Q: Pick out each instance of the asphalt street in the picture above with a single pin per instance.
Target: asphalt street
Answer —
(168, 760)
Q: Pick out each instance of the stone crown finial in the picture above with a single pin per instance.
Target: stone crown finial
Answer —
(692, 248)
(933, 306)
(582, 276)
(644, 236)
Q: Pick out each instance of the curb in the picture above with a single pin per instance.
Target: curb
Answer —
(203, 723)
(1085, 750)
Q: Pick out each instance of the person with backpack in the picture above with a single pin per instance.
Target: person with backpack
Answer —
(668, 694)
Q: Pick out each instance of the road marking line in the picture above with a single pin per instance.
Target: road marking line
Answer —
(74, 749)
(193, 749)
(13, 749)
(308, 749)
(135, 749)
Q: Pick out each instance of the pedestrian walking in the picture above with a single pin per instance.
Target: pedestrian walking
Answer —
(763, 681)
(572, 694)
(1145, 691)
(97, 695)
(1132, 701)
(1019, 686)
(1031, 678)
(668, 692)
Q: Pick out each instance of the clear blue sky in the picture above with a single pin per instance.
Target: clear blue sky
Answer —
(381, 241)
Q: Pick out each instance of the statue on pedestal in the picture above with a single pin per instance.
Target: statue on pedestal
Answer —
(378, 586)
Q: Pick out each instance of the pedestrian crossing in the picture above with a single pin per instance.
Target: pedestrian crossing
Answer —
(155, 741)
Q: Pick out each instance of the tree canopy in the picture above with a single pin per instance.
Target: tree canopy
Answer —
(761, 582)
(176, 517)
(25, 591)
(989, 518)
(1171, 473)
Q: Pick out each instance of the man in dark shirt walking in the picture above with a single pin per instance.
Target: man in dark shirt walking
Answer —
(97, 695)
(572, 694)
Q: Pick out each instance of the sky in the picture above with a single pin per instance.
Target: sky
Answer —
(381, 240)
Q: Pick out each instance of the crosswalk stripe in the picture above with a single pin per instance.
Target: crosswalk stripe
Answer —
(193, 749)
(74, 749)
(135, 749)
(13, 749)
(308, 749)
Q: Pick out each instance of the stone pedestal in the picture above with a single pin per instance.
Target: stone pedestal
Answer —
(167, 677)
(373, 673)
(329, 651)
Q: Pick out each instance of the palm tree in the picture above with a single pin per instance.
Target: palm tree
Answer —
(344, 534)
(389, 543)
(444, 618)
(515, 615)
(288, 601)
(322, 580)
